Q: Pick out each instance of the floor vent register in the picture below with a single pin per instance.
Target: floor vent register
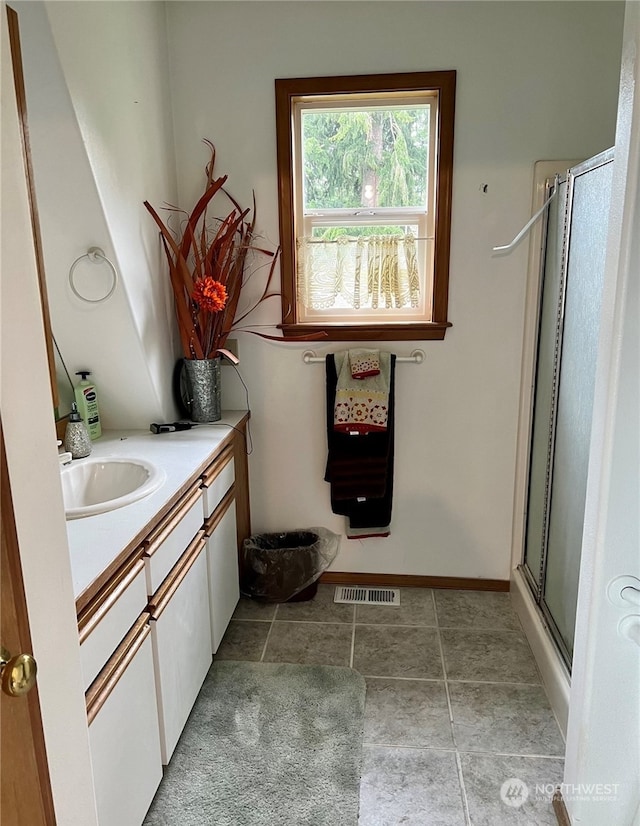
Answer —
(367, 596)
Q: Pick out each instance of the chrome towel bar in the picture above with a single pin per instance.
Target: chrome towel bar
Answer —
(415, 357)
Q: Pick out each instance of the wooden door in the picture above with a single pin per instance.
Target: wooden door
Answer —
(26, 798)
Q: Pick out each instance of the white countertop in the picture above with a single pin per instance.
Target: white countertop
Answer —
(96, 541)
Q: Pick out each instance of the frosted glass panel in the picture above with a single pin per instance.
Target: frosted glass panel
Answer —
(583, 294)
(544, 384)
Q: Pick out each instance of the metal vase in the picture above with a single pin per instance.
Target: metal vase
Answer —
(204, 389)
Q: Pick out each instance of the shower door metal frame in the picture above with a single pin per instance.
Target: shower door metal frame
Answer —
(537, 585)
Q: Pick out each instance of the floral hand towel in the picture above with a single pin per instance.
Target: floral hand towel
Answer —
(364, 363)
(361, 404)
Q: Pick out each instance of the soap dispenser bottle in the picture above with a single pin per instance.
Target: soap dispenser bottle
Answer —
(87, 400)
(76, 438)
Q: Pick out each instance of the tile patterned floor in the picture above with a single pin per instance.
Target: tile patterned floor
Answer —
(455, 709)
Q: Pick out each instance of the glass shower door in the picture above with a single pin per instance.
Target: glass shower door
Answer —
(585, 262)
(568, 329)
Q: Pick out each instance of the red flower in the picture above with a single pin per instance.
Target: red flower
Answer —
(209, 294)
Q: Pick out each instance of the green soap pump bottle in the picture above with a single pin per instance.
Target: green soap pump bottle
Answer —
(87, 401)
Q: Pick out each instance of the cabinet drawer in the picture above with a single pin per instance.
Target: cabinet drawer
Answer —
(217, 480)
(167, 542)
(102, 630)
(181, 636)
(123, 732)
(222, 565)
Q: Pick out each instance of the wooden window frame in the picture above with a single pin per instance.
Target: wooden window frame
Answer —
(287, 91)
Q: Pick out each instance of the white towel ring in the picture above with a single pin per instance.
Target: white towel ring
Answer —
(95, 255)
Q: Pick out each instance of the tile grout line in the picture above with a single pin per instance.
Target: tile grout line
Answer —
(408, 747)
(482, 629)
(440, 680)
(490, 630)
(497, 682)
(266, 642)
(458, 752)
(295, 622)
(463, 790)
(353, 637)
(513, 754)
(409, 679)
(386, 625)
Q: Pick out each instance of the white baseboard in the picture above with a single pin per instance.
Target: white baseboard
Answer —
(555, 676)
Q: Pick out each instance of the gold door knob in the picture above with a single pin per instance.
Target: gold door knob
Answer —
(18, 674)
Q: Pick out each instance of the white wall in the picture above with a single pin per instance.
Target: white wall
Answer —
(25, 402)
(535, 81)
(102, 142)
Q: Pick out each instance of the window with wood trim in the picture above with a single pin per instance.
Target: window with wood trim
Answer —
(365, 174)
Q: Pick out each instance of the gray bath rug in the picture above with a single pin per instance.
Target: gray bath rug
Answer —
(267, 745)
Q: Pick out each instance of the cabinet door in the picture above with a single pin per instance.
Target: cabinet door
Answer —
(217, 480)
(167, 542)
(181, 637)
(102, 630)
(123, 732)
(222, 558)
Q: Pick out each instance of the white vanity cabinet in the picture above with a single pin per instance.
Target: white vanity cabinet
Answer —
(117, 668)
(123, 731)
(181, 641)
(150, 622)
(176, 567)
(220, 526)
(222, 565)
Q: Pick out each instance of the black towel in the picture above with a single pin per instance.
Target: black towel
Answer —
(360, 468)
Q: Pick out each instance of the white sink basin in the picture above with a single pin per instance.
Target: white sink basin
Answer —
(91, 486)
